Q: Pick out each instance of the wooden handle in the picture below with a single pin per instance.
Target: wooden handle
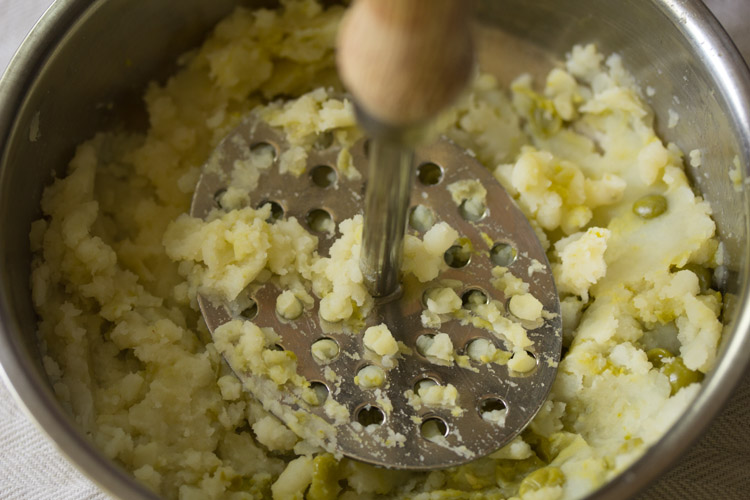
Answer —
(404, 60)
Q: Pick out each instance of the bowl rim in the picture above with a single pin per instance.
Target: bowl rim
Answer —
(35, 397)
(29, 390)
(732, 76)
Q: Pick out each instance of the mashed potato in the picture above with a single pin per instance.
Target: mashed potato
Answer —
(118, 267)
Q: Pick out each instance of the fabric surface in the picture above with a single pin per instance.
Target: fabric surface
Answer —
(717, 466)
(31, 468)
(16, 19)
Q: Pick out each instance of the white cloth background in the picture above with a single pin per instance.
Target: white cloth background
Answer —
(31, 467)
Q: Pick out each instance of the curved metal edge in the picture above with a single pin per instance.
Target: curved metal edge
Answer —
(30, 390)
(732, 79)
(34, 396)
(457, 165)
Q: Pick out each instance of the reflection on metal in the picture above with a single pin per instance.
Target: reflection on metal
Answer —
(468, 434)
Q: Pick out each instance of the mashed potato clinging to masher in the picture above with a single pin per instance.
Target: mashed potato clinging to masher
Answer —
(118, 265)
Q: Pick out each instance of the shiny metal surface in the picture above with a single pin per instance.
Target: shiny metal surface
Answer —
(73, 59)
(468, 436)
(390, 174)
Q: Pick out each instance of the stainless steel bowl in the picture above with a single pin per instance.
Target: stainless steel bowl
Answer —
(69, 79)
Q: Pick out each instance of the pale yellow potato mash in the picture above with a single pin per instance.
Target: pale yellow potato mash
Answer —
(118, 265)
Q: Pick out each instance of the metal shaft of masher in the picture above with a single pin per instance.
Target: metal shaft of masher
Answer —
(389, 183)
(403, 61)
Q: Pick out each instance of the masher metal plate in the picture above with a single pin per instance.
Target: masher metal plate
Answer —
(468, 436)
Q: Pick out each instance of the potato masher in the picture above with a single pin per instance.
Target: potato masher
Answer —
(396, 59)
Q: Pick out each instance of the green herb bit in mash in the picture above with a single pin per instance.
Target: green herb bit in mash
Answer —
(117, 268)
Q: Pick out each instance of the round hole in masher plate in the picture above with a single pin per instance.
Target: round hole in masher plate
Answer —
(250, 312)
(324, 140)
(457, 257)
(481, 350)
(429, 174)
(323, 176)
(533, 356)
(321, 392)
(325, 350)
(263, 148)
(493, 409)
(421, 218)
(288, 306)
(277, 211)
(424, 342)
(526, 365)
(472, 210)
(473, 297)
(434, 428)
(503, 254)
(427, 294)
(370, 415)
(320, 221)
(425, 382)
(370, 377)
(218, 195)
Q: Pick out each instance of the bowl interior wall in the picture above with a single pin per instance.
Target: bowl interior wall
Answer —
(92, 76)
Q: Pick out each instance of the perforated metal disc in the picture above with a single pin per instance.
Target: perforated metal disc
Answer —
(502, 232)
